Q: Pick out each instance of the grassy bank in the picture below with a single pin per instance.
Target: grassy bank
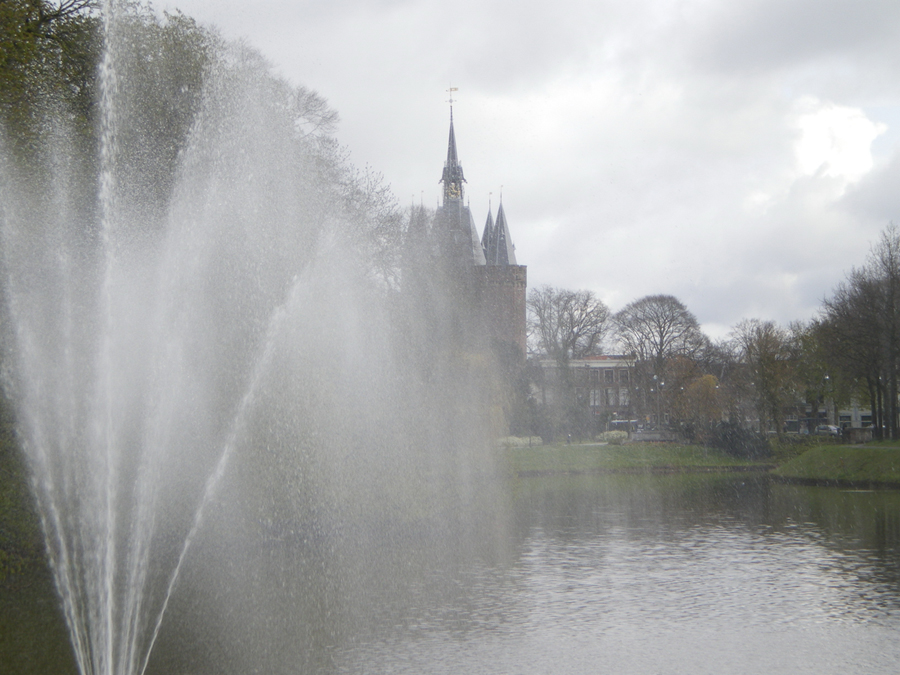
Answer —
(809, 462)
(596, 458)
(842, 464)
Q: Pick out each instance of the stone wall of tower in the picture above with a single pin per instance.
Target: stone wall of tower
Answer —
(500, 291)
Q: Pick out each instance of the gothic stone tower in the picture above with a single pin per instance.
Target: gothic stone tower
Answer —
(488, 266)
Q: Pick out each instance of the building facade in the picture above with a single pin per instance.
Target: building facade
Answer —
(600, 385)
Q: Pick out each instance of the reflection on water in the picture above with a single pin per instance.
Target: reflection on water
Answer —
(590, 574)
(670, 574)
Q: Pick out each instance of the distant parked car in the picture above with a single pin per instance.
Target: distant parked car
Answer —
(827, 430)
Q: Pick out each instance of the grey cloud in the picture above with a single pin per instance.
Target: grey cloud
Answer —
(876, 196)
(766, 34)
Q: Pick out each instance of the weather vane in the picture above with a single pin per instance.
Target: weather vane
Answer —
(450, 100)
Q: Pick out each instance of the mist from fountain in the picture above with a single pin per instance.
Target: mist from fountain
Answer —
(227, 352)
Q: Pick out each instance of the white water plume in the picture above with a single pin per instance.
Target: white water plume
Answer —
(215, 303)
(136, 361)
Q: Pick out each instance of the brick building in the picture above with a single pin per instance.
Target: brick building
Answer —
(601, 384)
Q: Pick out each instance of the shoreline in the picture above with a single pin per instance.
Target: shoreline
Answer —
(866, 467)
(639, 470)
(840, 483)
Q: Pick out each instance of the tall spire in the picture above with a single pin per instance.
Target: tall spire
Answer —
(452, 177)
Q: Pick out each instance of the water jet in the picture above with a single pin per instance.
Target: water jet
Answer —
(201, 342)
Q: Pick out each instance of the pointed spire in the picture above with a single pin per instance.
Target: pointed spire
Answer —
(455, 229)
(504, 253)
(452, 156)
(452, 177)
(488, 237)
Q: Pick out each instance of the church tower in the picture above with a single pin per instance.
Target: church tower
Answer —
(482, 296)
(457, 237)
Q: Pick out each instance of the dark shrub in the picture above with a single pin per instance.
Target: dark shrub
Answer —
(739, 442)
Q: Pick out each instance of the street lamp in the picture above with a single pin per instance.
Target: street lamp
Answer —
(658, 392)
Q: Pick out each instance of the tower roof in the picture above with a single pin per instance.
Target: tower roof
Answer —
(453, 177)
(452, 156)
(502, 249)
(488, 236)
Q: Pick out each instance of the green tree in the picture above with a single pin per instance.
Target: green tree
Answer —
(49, 53)
(860, 331)
(770, 356)
(699, 407)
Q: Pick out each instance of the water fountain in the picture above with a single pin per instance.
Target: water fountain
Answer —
(204, 351)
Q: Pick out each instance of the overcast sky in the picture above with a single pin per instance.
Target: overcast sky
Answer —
(741, 155)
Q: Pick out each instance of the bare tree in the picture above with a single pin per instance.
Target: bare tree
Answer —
(564, 324)
(657, 328)
(665, 340)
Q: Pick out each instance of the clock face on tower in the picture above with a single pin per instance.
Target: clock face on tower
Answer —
(453, 190)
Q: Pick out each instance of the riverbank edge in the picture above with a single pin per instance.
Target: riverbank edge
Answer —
(826, 465)
(840, 483)
(847, 466)
(643, 470)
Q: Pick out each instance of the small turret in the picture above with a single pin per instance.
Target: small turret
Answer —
(496, 242)
(504, 253)
(488, 236)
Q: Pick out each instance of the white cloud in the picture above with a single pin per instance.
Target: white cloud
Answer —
(834, 140)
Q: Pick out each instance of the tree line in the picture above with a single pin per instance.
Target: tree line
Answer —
(759, 377)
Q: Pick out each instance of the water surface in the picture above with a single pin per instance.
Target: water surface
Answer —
(673, 574)
(584, 574)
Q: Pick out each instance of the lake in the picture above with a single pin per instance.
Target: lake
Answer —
(576, 574)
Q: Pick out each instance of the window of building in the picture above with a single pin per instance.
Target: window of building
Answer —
(608, 375)
(623, 376)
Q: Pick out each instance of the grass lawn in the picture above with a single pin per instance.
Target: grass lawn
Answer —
(590, 457)
(874, 462)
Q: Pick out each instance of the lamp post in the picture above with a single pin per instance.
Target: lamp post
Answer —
(656, 386)
(659, 392)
